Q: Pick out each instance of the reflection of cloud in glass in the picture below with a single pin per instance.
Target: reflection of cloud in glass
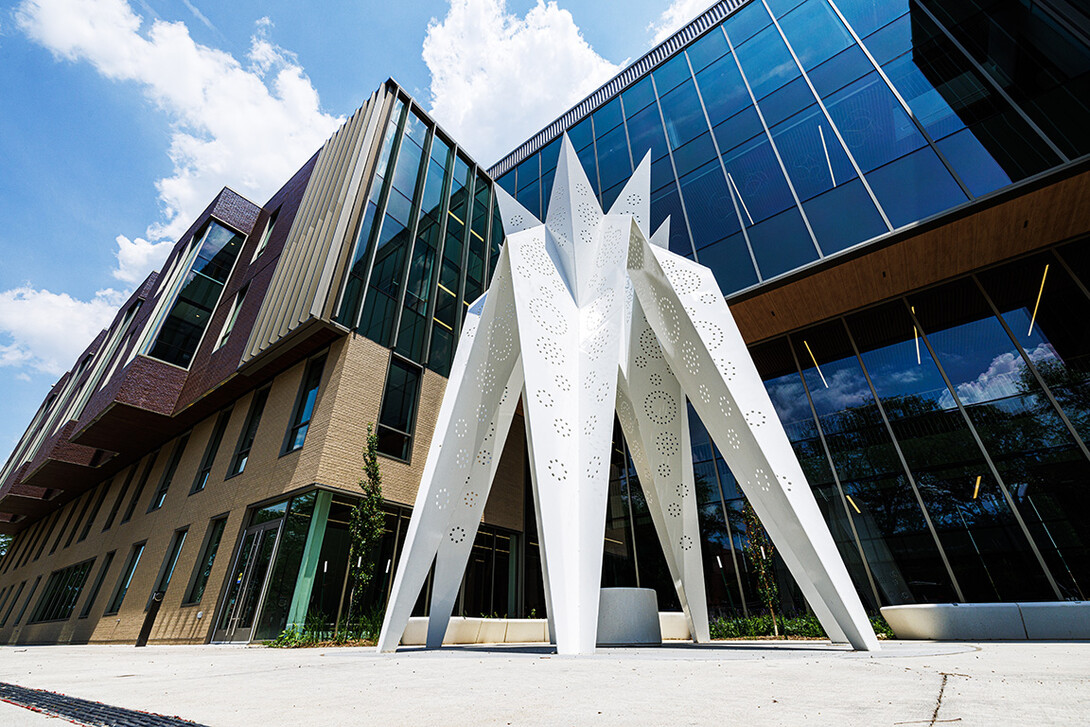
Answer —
(847, 388)
(1001, 378)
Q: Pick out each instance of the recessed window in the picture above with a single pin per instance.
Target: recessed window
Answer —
(166, 571)
(268, 234)
(106, 562)
(168, 474)
(229, 325)
(27, 601)
(210, 451)
(11, 608)
(398, 414)
(140, 485)
(61, 593)
(203, 569)
(94, 513)
(304, 407)
(123, 582)
(249, 433)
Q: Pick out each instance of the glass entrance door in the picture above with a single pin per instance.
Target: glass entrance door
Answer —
(248, 575)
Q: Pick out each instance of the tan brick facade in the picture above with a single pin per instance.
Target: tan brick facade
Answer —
(332, 457)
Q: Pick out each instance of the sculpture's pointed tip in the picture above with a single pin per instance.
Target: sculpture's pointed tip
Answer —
(513, 215)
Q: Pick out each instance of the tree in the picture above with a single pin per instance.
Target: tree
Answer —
(365, 525)
(759, 550)
(5, 543)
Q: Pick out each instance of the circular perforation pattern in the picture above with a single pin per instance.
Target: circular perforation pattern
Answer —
(710, 298)
(501, 343)
(442, 498)
(705, 394)
(686, 542)
(558, 470)
(655, 380)
(457, 534)
(640, 361)
(633, 200)
(665, 470)
(649, 344)
(612, 247)
(589, 213)
(597, 345)
(461, 428)
(681, 491)
(563, 383)
(726, 368)
(462, 458)
(684, 281)
(635, 253)
(544, 398)
(636, 450)
(670, 319)
(711, 333)
(667, 444)
(594, 466)
(548, 317)
(482, 413)
(691, 356)
(516, 220)
(484, 457)
(755, 418)
(725, 406)
(486, 376)
(550, 350)
(660, 407)
(761, 479)
(562, 427)
(470, 498)
(590, 425)
(733, 440)
(673, 509)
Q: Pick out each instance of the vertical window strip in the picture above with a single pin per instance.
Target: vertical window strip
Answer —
(229, 324)
(211, 451)
(304, 407)
(52, 524)
(168, 474)
(11, 608)
(203, 568)
(140, 487)
(249, 433)
(26, 603)
(93, 595)
(125, 580)
(79, 520)
(104, 489)
(71, 507)
(120, 498)
(170, 561)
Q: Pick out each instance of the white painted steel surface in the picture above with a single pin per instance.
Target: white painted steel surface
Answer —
(587, 316)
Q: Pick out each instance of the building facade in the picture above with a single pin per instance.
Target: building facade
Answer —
(894, 194)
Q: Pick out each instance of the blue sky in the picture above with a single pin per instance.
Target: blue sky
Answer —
(121, 119)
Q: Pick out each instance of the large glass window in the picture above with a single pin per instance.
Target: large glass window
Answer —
(185, 324)
(397, 417)
(1037, 457)
(166, 571)
(61, 592)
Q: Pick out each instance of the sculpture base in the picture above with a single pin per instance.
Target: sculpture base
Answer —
(628, 616)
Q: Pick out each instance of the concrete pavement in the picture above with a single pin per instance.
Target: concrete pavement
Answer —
(750, 683)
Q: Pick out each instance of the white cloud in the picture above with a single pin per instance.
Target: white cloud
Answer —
(47, 331)
(1001, 379)
(496, 78)
(248, 128)
(136, 257)
(674, 17)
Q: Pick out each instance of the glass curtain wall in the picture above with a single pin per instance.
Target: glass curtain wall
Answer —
(943, 435)
(426, 245)
(797, 129)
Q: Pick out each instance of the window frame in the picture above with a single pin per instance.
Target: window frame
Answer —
(104, 570)
(250, 427)
(124, 580)
(61, 582)
(169, 472)
(267, 234)
(315, 368)
(211, 450)
(411, 433)
(212, 541)
(232, 317)
(169, 564)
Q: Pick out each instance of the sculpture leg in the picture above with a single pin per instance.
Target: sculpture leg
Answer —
(486, 357)
(703, 347)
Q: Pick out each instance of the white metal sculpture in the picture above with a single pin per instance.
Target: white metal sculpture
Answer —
(587, 316)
